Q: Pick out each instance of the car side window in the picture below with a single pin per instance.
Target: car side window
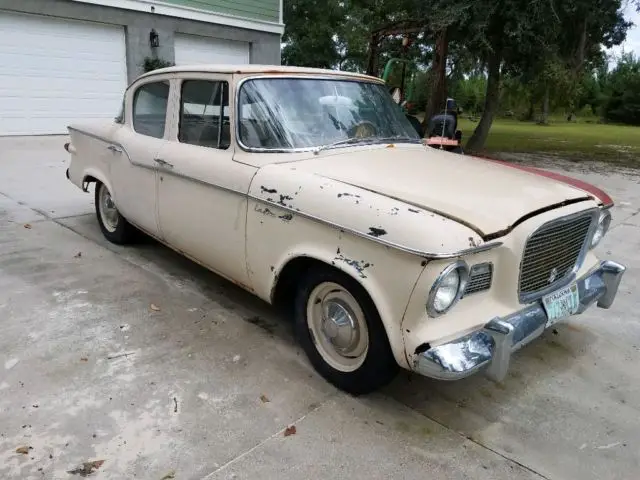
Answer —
(150, 109)
(204, 114)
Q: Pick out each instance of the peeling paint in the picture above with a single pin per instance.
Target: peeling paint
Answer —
(265, 211)
(286, 217)
(394, 211)
(472, 242)
(359, 265)
(283, 198)
(377, 231)
(346, 194)
(413, 210)
(264, 189)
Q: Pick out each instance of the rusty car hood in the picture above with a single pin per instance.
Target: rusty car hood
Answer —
(485, 196)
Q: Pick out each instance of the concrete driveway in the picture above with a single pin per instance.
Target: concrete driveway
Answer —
(138, 358)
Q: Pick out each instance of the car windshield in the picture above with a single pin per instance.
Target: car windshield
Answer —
(288, 113)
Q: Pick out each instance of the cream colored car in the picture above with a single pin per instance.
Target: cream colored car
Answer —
(310, 189)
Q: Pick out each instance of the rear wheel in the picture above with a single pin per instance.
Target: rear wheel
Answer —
(114, 226)
(341, 332)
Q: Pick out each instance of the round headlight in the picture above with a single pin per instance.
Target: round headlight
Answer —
(603, 225)
(448, 288)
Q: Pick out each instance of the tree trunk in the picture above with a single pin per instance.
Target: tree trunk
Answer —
(438, 81)
(479, 137)
(582, 48)
(372, 64)
(544, 118)
(532, 109)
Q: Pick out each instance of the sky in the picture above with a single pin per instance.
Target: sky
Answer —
(632, 43)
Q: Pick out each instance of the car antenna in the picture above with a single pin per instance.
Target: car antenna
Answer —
(444, 120)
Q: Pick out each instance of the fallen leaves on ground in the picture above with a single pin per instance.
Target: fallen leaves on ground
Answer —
(24, 450)
(27, 225)
(154, 307)
(290, 430)
(264, 399)
(170, 474)
(87, 468)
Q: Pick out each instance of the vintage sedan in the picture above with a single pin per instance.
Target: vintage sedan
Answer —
(311, 189)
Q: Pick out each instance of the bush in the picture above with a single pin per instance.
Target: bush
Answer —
(152, 63)
(623, 104)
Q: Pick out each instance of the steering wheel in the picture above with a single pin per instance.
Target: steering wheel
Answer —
(363, 129)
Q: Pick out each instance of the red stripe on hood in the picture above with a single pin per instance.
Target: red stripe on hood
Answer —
(602, 196)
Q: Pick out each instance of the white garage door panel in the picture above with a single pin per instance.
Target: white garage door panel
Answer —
(55, 72)
(193, 50)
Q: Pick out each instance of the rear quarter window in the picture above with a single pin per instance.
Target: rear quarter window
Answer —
(150, 108)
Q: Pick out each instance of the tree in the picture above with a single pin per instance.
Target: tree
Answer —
(524, 39)
(623, 104)
(310, 30)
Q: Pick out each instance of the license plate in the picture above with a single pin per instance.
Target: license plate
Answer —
(561, 303)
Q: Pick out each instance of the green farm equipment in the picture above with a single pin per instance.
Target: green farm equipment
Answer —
(400, 76)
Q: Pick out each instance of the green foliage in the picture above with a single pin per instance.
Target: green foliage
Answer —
(154, 63)
(310, 31)
(623, 103)
(549, 53)
(469, 93)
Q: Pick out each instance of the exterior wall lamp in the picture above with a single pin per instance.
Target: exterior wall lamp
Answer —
(154, 39)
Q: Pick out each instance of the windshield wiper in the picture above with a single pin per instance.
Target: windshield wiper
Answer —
(344, 141)
(399, 137)
(348, 141)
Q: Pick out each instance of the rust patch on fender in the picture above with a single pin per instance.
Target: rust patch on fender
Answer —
(265, 211)
(264, 189)
(283, 198)
(377, 231)
(359, 265)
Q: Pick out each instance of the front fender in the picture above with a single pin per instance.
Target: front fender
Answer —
(275, 236)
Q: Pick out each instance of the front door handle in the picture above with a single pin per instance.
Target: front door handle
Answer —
(161, 162)
(114, 149)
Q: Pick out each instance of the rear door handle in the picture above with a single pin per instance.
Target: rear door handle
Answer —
(114, 149)
(161, 162)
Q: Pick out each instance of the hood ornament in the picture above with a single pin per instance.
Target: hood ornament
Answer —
(553, 275)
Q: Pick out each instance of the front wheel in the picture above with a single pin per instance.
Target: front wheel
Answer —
(341, 332)
(114, 226)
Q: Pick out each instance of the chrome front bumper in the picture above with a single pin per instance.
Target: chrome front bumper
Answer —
(490, 347)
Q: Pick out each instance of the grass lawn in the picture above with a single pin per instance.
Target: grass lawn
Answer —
(575, 141)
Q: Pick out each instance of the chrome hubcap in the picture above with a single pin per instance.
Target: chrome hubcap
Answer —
(338, 326)
(108, 211)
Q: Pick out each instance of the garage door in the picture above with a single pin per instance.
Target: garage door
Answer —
(55, 72)
(193, 50)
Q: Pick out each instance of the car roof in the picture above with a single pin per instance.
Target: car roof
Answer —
(258, 69)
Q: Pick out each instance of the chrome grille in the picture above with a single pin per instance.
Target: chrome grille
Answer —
(552, 252)
(480, 277)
